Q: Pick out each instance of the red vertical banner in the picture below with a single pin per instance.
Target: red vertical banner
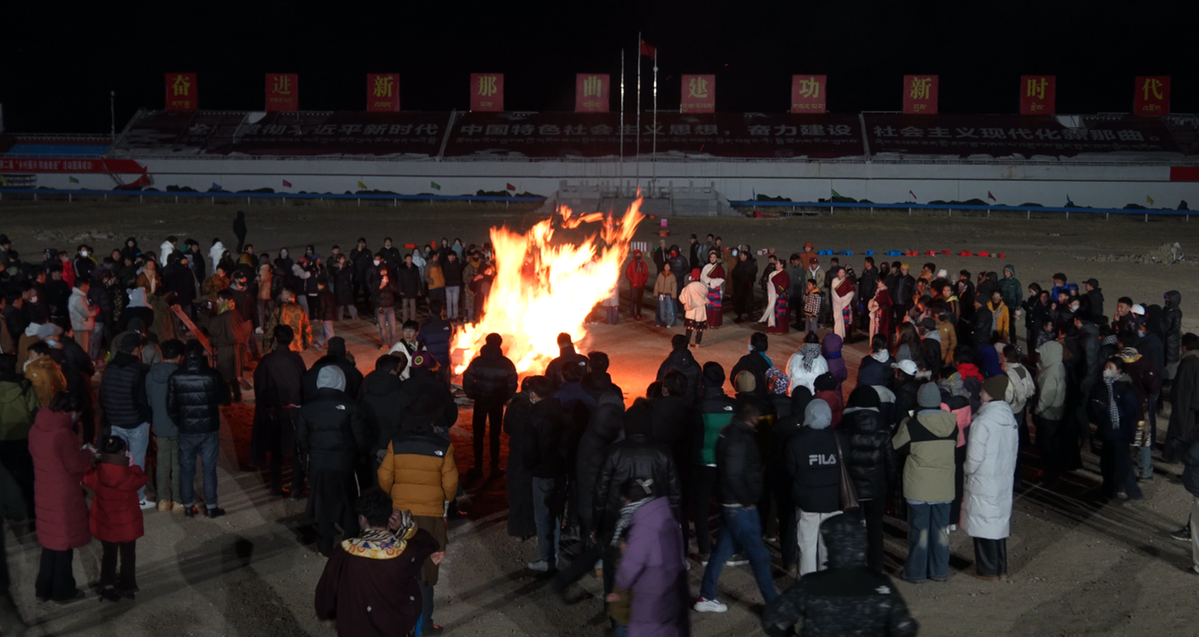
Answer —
(486, 91)
(699, 94)
(282, 92)
(920, 94)
(1038, 94)
(592, 92)
(182, 92)
(1152, 98)
(383, 92)
(808, 94)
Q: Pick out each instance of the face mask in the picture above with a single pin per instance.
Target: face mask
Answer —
(376, 262)
(1111, 373)
(751, 348)
(1074, 308)
(83, 253)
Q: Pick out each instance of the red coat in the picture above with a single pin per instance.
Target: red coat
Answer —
(116, 511)
(58, 468)
(637, 272)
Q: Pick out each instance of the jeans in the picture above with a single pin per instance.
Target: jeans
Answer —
(302, 299)
(208, 446)
(1194, 525)
(813, 556)
(927, 519)
(138, 439)
(339, 312)
(810, 323)
(325, 334)
(666, 315)
(167, 481)
(451, 302)
(547, 514)
(741, 526)
(93, 349)
(1145, 454)
(386, 316)
(635, 296)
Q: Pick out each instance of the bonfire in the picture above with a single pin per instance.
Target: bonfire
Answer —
(543, 288)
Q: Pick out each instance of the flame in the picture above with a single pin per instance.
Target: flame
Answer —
(553, 291)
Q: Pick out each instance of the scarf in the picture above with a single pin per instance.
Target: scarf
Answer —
(1113, 410)
(382, 544)
(627, 511)
(810, 352)
(1109, 340)
(881, 356)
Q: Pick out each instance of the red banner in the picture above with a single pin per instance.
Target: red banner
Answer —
(486, 91)
(1038, 94)
(282, 92)
(592, 92)
(1152, 98)
(181, 92)
(699, 94)
(383, 92)
(808, 94)
(920, 95)
(50, 165)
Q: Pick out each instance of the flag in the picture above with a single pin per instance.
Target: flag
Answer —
(361, 186)
(435, 185)
(72, 180)
(1069, 202)
(286, 184)
(1149, 199)
(216, 187)
(511, 187)
(647, 49)
(835, 193)
(912, 194)
(990, 196)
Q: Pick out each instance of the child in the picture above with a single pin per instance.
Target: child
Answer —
(811, 305)
(116, 518)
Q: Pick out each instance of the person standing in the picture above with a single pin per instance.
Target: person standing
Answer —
(814, 463)
(653, 568)
(490, 381)
(664, 292)
(229, 334)
(870, 461)
(776, 317)
(637, 272)
(383, 296)
(166, 434)
(195, 393)
(435, 336)
(694, 298)
(115, 518)
(1011, 292)
(59, 466)
(842, 292)
(332, 432)
(239, 230)
(927, 440)
(740, 474)
(990, 473)
(83, 315)
(742, 282)
(545, 455)
(408, 286)
(452, 270)
(1115, 408)
(1049, 409)
(517, 424)
(126, 407)
(278, 393)
(288, 313)
(712, 276)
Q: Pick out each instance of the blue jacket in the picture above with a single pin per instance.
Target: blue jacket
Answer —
(435, 336)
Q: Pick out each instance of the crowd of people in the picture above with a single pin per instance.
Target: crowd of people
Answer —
(943, 410)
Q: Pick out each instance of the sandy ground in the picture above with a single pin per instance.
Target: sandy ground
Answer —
(1077, 568)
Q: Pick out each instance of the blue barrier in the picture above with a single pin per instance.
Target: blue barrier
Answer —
(265, 195)
(952, 207)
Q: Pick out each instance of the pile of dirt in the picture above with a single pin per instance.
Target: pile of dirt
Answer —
(1169, 253)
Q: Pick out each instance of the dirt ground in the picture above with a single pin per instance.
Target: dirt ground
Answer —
(1077, 568)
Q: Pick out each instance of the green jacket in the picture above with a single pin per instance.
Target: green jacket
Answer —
(18, 404)
(928, 440)
(1012, 291)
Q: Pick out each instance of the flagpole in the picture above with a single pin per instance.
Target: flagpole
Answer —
(654, 148)
(620, 168)
(637, 150)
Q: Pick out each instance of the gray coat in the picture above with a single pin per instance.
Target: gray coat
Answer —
(156, 392)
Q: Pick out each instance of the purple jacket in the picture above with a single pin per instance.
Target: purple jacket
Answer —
(653, 567)
(831, 348)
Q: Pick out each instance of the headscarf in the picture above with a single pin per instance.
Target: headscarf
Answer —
(1113, 410)
(777, 382)
(810, 352)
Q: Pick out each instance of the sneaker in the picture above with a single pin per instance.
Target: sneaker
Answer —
(1182, 535)
(709, 606)
(540, 566)
(258, 330)
(738, 559)
(177, 508)
(214, 512)
(164, 505)
(147, 504)
(703, 558)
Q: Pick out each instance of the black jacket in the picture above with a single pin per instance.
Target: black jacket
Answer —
(739, 465)
(682, 361)
(424, 383)
(756, 364)
(332, 432)
(1172, 326)
(123, 392)
(279, 379)
(408, 280)
(544, 450)
(567, 354)
(867, 286)
(490, 376)
(343, 286)
(868, 453)
(675, 422)
(195, 393)
(604, 428)
(180, 280)
(634, 457)
(384, 296)
(353, 376)
(383, 404)
(815, 468)
(452, 271)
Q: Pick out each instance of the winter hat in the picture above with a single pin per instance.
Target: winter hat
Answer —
(996, 386)
(31, 330)
(814, 261)
(423, 360)
(929, 397)
(745, 382)
(337, 346)
(331, 377)
(137, 325)
(1093, 283)
(906, 366)
(825, 382)
(818, 415)
(137, 298)
(942, 273)
(695, 274)
(1138, 309)
(928, 324)
(777, 381)
(48, 330)
(864, 397)
(638, 419)
(636, 253)
(130, 342)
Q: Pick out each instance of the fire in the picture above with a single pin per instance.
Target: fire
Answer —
(541, 290)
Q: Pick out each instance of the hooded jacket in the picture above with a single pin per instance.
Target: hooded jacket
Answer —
(545, 451)
(419, 471)
(814, 462)
(682, 361)
(490, 376)
(869, 456)
(756, 363)
(846, 599)
(156, 392)
(1051, 382)
(831, 350)
(115, 514)
(990, 469)
(335, 358)
(1011, 289)
(58, 467)
(83, 315)
(1020, 387)
(1172, 326)
(805, 365)
(195, 393)
(18, 405)
(331, 428)
(928, 440)
(46, 377)
(603, 430)
(383, 404)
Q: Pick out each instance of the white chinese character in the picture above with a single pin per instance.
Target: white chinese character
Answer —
(471, 129)
(1074, 133)
(350, 129)
(629, 129)
(939, 132)
(375, 129)
(1130, 136)
(1103, 136)
(575, 129)
(1020, 133)
(523, 130)
(812, 129)
(884, 131)
(993, 133)
(911, 131)
(497, 129)
(1047, 133)
(966, 133)
(785, 130)
(680, 129)
(548, 129)
(840, 129)
(601, 129)
(426, 129)
(706, 129)
(326, 129)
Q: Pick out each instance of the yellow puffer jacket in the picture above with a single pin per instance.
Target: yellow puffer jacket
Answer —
(422, 477)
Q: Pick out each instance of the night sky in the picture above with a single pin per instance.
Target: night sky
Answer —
(61, 60)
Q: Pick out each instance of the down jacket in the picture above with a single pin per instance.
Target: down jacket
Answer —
(1051, 382)
(928, 439)
(739, 465)
(990, 468)
(332, 431)
(115, 514)
(123, 392)
(490, 376)
(195, 393)
(637, 456)
(420, 473)
(868, 454)
(58, 467)
(603, 430)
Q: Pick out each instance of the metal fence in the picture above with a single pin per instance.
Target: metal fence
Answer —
(250, 196)
(832, 207)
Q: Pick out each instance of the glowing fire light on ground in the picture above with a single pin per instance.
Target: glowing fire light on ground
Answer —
(541, 290)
